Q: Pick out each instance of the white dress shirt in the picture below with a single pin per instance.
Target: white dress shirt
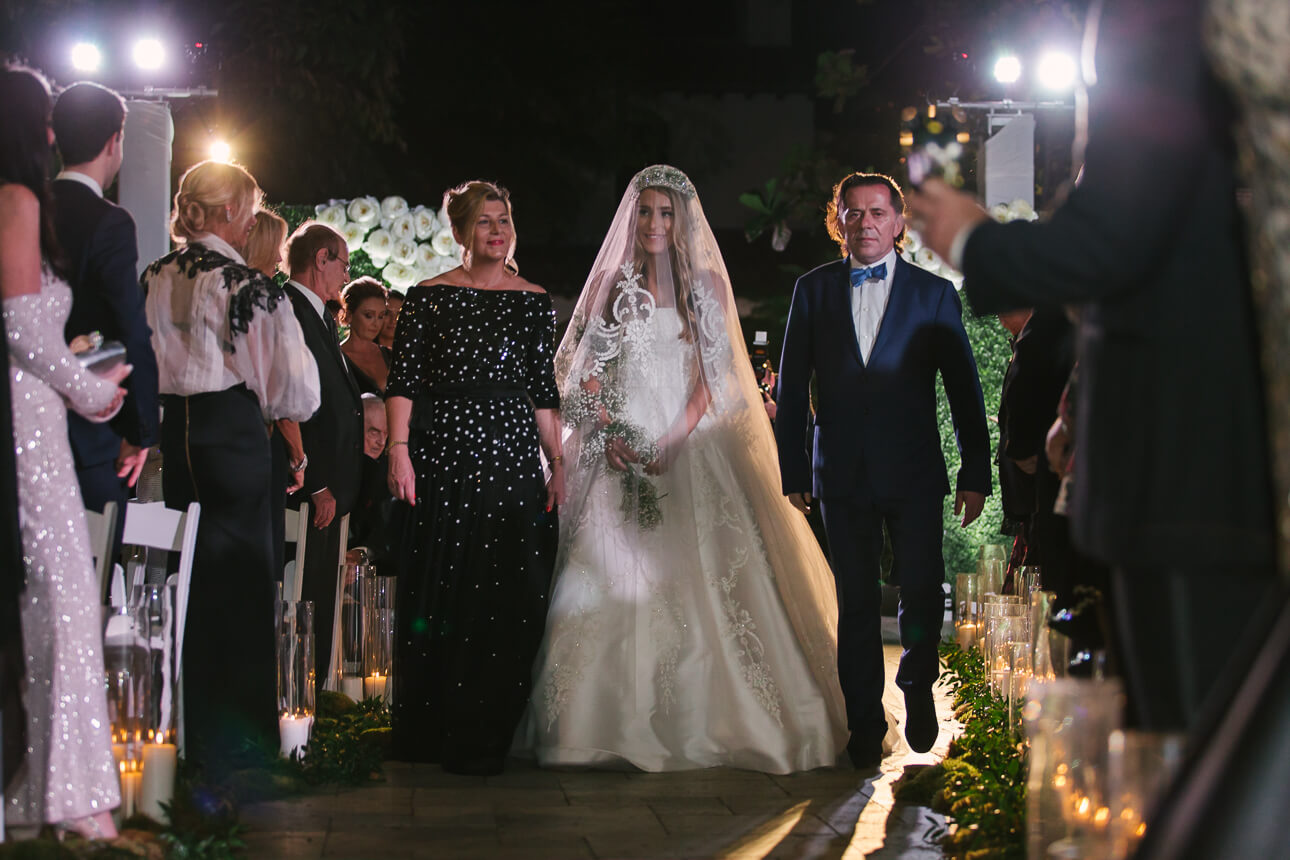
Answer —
(88, 181)
(869, 303)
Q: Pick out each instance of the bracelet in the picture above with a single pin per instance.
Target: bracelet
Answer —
(390, 447)
(300, 467)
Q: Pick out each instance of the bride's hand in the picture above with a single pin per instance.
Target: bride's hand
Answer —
(619, 454)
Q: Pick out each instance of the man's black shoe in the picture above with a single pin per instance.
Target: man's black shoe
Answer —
(864, 754)
(921, 727)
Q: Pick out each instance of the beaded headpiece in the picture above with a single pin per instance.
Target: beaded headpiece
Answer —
(665, 176)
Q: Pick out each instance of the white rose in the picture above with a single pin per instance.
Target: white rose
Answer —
(913, 242)
(1022, 210)
(926, 258)
(445, 264)
(364, 210)
(999, 212)
(425, 222)
(393, 207)
(954, 278)
(403, 227)
(443, 243)
(332, 202)
(399, 275)
(353, 233)
(333, 216)
(404, 251)
(379, 244)
(426, 256)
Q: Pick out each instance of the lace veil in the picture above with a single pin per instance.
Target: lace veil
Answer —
(654, 355)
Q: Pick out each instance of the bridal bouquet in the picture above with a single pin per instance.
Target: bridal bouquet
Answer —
(639, 493)
(640, 497)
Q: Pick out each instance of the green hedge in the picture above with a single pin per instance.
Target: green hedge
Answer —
(992, 351)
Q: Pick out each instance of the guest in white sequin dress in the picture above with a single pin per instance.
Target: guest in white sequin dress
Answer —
(69, 777)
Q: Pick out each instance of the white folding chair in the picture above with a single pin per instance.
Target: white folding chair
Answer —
(102, 527)
(153, 525)
(297, 530)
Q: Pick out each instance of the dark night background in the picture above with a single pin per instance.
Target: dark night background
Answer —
(764, 103)
(562, 102)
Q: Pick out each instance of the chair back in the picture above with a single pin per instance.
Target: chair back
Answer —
(101, 528)
(153, 525)
(297, 531)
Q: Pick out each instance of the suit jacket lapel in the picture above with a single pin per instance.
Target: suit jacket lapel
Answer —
(896, 311)
(840, 307)
(323, 331)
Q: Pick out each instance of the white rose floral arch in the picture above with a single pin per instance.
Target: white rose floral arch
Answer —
(388, 239)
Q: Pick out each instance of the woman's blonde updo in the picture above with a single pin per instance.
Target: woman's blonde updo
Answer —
(464, 205)
(211, 192)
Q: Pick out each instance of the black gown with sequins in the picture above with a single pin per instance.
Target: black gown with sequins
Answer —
(472, 597)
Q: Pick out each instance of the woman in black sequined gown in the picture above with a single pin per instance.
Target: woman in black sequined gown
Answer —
(471, 395)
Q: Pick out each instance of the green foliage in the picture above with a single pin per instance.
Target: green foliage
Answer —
(837, 77)
(348, 742)
(992, 352)
(983, 781)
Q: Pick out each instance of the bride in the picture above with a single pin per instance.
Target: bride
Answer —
(693, 617)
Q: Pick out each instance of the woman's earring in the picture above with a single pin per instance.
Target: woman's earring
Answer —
(228, 213)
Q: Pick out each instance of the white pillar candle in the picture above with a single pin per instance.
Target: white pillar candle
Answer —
(374, 686)
(294, 732)
(158, 786)
(129, 790)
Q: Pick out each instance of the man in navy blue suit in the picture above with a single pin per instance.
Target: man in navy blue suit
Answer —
(874, 331)
(98, 239)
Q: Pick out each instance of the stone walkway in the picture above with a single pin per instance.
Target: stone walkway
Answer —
(421, 812)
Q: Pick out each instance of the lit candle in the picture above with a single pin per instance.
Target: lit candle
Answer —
(118, 753)
(966, 636)
(129, 789)
(158, 787)
(374, 686)
(294, 732)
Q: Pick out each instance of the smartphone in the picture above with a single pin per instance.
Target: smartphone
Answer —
(933, 142)
(104, 357)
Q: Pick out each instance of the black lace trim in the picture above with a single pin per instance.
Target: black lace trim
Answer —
(249, 290)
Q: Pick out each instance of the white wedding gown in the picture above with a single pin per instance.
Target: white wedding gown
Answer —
(674, 647)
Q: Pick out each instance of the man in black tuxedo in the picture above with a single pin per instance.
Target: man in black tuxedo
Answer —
(1171, 474)
(874, 331)
(333, 438)
(98, 239)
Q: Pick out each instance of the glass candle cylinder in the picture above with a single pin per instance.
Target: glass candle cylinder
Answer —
(1068, 722)
(349, 668)
(992, 571)
(1028, 581)
(295, 675)
(378, 636)
(160, 753)
(1139, 766)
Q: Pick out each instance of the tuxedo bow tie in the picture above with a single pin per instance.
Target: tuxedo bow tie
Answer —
(875, 273)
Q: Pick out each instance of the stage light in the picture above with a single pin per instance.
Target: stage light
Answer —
(86, 57)
(1007, 70)
(1056, 71)
(149, 54)
(221, 151)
